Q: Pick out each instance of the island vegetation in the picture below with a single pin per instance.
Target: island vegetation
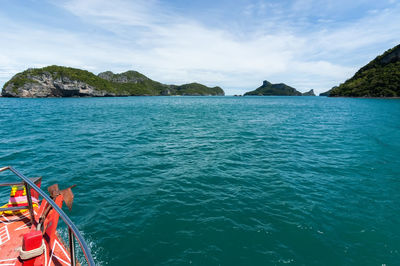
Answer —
(379, 78)
(60, 81)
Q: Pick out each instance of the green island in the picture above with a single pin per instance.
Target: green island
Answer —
(60, 81)
(379, 78)
(280, 89)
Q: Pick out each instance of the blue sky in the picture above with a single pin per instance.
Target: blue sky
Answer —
(307, 44)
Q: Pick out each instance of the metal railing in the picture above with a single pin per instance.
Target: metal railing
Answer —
(73, 232)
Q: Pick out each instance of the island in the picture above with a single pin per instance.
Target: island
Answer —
(280, 89)
(308, 93)
(327, 92)
(60, 81)
(379, 78)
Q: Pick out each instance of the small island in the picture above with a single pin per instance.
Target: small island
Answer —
(280, 89)
(60, 81)
(308, 93)
(379, 78)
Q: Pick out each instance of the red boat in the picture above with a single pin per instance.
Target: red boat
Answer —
(28, 225)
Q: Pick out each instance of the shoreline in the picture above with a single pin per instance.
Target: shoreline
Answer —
(362, 97)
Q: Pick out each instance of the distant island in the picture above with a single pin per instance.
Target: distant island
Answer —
(379, 78)
(60, 81)
(308, 93)
(280, 89)
(326, 93)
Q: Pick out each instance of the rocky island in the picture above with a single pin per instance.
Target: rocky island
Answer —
(280, 89)
(308, 93)
(59, 81)
(379, 78)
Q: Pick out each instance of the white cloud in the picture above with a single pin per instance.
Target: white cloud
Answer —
(172, 48)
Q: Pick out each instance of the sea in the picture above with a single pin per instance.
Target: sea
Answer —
(218, 180)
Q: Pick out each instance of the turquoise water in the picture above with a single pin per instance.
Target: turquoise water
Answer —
(219, 180)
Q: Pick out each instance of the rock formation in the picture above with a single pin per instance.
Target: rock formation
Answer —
(57, 81)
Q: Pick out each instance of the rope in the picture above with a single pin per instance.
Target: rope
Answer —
(30, 254)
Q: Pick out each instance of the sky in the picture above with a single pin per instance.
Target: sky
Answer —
(234, 44)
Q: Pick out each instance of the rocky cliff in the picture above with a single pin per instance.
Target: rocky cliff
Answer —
(58, 81)
(308, 93)
(32, 83)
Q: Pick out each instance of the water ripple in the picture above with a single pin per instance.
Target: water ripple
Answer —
(220, 180)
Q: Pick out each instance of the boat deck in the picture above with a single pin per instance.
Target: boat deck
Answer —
(12, 229)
